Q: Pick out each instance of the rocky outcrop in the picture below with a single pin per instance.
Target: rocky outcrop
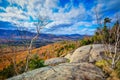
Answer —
(65, 71)
(79, 68)
(55, 61)
(81, 54)
(89, 53)
(97, 53)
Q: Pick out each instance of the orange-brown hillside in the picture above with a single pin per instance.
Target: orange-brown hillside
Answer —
(49, 51)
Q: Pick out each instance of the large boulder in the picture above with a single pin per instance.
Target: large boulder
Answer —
(56, 61)
(81, 54)
(97, 52)
(64, 71)
(90, 53)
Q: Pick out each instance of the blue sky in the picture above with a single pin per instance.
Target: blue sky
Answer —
(66, 16)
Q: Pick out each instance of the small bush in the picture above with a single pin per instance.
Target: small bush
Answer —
(109, 72)
(86, 41)
(101, 63)
(35, 62)
(7, 72)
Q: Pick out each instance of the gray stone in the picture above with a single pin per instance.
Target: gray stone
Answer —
(81, 54)
(55, 61)
(97, 53)
(89, 53)
(64, 71)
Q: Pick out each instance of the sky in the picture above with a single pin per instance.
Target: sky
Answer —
(64, 16)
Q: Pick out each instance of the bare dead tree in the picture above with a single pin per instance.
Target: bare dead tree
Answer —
(41, 23)
(99, 23)
(116, 56)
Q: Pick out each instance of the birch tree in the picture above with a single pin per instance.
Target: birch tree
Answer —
(110, 36)
(40, 24)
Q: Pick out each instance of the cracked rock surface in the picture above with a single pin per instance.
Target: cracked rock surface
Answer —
(65, 71)
(89, 53)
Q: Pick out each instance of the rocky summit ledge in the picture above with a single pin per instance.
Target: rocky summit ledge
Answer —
(80, 66)
(64, 71)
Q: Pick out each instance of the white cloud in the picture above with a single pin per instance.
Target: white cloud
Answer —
(56, 23)
(13, 15)
(77, 13)
(73, 30)
(42, 7)
(86, 24)
(28, 10)
(21, 3)
(51, 4)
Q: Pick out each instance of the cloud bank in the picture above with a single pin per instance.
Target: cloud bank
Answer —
(66, 16)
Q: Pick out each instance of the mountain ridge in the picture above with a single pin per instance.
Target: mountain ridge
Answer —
(16, 34)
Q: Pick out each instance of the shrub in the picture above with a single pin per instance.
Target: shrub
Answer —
(110, 73)
(101, 63)
(86, 41)
(7, 72)
(35, 62)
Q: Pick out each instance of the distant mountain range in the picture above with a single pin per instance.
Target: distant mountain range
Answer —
(17, 35)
